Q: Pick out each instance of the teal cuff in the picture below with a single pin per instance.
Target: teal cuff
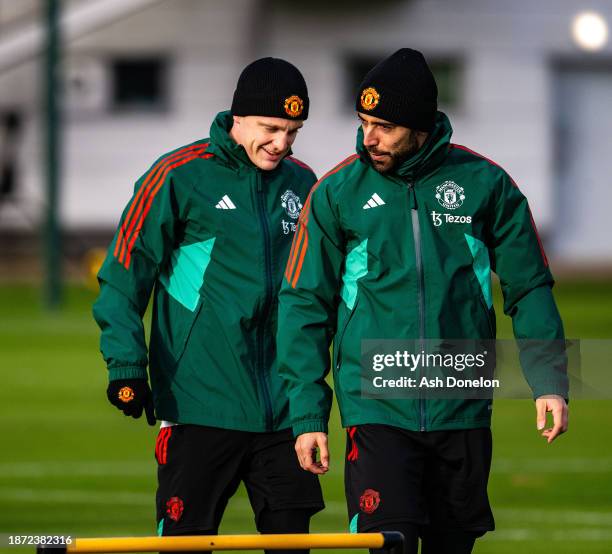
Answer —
(309, 426)
(128, 372)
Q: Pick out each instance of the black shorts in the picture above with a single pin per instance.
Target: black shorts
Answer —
(200, 468)
(435, 479)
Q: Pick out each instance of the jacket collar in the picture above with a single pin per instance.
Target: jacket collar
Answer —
(225, 148)
(427, 159)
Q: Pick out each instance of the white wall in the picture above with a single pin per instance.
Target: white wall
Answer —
(506, 113)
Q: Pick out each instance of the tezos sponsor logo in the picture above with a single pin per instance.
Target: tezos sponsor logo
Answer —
(288, 227)
(438, 219)
(450, 195)
(293, 206)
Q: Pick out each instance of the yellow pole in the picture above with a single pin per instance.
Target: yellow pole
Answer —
(228, 542)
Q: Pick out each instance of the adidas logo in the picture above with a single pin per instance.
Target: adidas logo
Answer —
(225, 204)
(374, 202)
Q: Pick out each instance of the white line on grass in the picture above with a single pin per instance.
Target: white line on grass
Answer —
(565, 517)
(82, 496)
(561, 465)
(77, 469)
(523, 534)
(76, 496)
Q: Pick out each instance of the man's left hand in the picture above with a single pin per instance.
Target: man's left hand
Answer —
(132, 396)
(557, 405)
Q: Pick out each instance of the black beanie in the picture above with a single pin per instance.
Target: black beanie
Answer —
(273, 88)
(401, 89)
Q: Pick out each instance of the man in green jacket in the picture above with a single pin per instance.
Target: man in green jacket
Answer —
(207, 233)
(398, 242)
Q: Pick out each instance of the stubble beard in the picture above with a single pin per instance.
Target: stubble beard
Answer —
(396, 158)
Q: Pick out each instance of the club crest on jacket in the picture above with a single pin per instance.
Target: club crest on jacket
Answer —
(450, 195)
(292, 204)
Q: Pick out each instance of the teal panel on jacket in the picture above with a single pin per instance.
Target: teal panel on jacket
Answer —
(186, 275)
(482, 266)
(355, 268)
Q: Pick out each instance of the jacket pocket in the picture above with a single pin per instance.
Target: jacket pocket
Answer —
(340, 337)
(489, 317)
(171, 326)
(184, 340)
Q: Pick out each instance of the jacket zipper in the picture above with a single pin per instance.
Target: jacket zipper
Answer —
(261, 374)
(416, 234)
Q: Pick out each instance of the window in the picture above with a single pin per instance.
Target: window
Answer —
(138, 84)
(449, 78)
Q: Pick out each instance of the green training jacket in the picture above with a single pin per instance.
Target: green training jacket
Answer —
(208, 234)
(409, 255)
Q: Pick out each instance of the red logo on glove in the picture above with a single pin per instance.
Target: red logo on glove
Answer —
(126, 394)
(174, 508)
(369, 501)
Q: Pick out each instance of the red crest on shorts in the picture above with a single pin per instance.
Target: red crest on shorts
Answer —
(369, 501)
(174, 508)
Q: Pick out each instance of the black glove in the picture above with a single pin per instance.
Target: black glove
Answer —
(131, 396)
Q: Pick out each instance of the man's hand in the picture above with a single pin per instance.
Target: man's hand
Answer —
(557, 405)
(132, 396)
(306, 447)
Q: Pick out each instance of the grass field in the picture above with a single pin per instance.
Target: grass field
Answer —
(71, 464)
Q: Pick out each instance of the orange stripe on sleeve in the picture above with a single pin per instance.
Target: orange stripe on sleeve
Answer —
(299, 252)
(139, 197)
(295, 248)
(159, 174)
(342, 164)
(299, 162)
(544, 257)
(466, 149)
(298, 270)
(149, 200)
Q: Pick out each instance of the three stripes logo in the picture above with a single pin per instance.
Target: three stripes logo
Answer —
(161, 445)
(142, 201)
(374, 202)
(299, 246)
(354, 453)
(225, 204)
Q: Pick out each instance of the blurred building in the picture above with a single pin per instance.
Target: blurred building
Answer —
(517, 86)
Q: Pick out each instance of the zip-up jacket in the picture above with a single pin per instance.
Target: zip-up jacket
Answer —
(208, 234)
(409, 255)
